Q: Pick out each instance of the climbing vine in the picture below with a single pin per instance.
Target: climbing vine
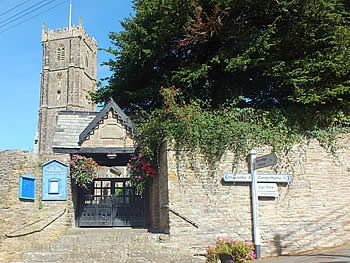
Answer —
(195, 126)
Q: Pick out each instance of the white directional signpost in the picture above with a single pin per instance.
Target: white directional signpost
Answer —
(264, 185)
(256, 229)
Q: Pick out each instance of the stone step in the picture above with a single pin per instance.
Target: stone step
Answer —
(107, 245)
(104, 257)
(101, 240)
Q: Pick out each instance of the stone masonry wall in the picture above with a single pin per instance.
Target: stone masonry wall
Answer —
(26, 224)
(310, 212)
(159, 196)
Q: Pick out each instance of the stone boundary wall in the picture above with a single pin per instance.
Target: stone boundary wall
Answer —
(15, 213)
(310, 212)
(159, 215)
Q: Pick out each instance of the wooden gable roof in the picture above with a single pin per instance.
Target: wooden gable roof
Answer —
(80, 132)
(117, 113)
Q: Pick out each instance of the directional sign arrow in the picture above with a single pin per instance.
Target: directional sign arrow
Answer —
(266, 178)
(265, 160)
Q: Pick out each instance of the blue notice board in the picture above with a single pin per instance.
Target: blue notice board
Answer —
(27, 187)
(54, 185)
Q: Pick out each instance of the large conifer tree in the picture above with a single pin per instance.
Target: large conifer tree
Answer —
(294, 54)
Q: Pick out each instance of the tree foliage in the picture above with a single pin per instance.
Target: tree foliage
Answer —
(290, 54)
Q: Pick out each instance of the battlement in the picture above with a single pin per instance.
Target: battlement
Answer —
(73, 31)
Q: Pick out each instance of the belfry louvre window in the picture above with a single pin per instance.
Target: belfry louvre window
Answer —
(60, 53)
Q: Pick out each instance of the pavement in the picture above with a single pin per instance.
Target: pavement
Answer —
(336, 255)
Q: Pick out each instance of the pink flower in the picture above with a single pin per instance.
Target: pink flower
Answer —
(252, 254)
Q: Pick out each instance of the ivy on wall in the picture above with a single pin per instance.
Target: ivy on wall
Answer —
(194, 125)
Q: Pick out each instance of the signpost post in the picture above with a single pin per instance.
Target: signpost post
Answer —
(261, 184)
(256, 229)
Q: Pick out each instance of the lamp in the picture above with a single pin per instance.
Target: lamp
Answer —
(111, 156)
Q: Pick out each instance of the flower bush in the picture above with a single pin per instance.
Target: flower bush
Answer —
(240, 251)
(141, 173)
(83, 170)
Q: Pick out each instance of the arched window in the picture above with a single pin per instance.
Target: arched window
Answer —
(60, 53)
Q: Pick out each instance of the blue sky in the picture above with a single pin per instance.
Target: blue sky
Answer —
(21, 54)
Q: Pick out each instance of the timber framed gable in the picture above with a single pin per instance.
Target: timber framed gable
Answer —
(111, 110)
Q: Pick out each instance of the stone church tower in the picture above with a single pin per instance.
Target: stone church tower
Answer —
(69, 70)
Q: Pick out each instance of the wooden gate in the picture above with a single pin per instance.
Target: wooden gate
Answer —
(112, 202)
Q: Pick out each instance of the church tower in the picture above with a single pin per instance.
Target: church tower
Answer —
(69, 70)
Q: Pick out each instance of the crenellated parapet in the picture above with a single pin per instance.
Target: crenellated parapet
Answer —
(73, 31)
